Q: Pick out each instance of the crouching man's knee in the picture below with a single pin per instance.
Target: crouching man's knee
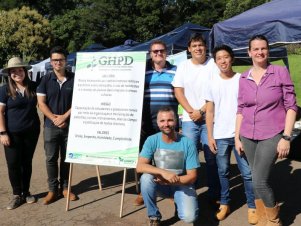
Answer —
(189, 217)
(147, 181)
(187, 206)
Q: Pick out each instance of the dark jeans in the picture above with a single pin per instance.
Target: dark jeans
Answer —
(19, 158)
(262, 155)
(55, 144)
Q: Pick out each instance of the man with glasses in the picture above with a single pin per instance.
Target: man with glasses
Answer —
(54, 99)
(158, 92)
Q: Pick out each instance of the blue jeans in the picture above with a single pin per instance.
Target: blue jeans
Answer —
(185, 198)
(224, 148)
(197, 132)
(55, 144)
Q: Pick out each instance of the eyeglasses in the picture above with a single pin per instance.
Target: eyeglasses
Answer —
(156, 51)
(58, 60)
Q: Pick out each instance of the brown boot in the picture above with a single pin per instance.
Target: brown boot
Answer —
(252, 216)
(273, 216)
(260, 210)
(50, 198)
(72, 197)
(223, 212)
(139, 200)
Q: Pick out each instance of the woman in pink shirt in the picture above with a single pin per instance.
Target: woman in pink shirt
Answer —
(265, 119)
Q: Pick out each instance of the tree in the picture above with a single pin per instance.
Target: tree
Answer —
(8, 4)
(208, 12)
(110, 22)
(118, 20)
(74, 30)
(77, 23)
(23, 33)
(115, 21)
(48, 8)
(52, 8)
(176, 12)
(235, 7)
(150, 19)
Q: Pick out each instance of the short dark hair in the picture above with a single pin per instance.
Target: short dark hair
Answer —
(159, 42)
(258, 37)
(166, 109)
(59, 50)
(196, 37)
(226, 48)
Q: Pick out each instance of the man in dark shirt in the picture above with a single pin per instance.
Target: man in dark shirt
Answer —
(54, 99)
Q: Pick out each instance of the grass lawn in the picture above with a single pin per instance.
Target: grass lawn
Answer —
(295, 70)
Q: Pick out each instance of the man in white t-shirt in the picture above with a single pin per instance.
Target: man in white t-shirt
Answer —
(190, 79)
(221, 96)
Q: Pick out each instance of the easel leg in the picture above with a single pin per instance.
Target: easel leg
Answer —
(137, 182)
(69, 186)
(98, 178)
(122, 194)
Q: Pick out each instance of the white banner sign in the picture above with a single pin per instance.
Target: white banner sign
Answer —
(177, 58)
(107, 108)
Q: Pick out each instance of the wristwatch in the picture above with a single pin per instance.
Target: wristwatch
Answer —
(286, 137)
(3, 133)
(201, 112)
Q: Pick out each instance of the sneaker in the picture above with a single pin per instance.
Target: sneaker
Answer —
(29, 198)
(154, 222)
(15, 202)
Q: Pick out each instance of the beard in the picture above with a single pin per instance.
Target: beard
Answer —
(167, 130)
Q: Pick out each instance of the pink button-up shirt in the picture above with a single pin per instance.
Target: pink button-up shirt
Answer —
(264, 106)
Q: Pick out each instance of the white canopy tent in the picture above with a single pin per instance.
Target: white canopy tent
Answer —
(39, 69)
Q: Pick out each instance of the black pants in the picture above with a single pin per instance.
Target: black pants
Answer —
(55, 145)
(19, 156)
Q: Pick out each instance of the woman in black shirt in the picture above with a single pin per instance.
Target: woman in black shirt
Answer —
(19, 129)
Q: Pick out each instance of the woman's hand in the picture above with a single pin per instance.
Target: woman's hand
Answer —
(4, 139)
(283, 148)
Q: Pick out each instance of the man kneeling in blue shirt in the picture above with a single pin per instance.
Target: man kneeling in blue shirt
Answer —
(174, 171)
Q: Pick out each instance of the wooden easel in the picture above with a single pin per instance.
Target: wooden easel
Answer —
(100, 187)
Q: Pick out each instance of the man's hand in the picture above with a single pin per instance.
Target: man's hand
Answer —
(212, 145)
(168, 177)
(195, 115)
(63, 125)
(238, 146)
(59, 121)
(161, 180)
